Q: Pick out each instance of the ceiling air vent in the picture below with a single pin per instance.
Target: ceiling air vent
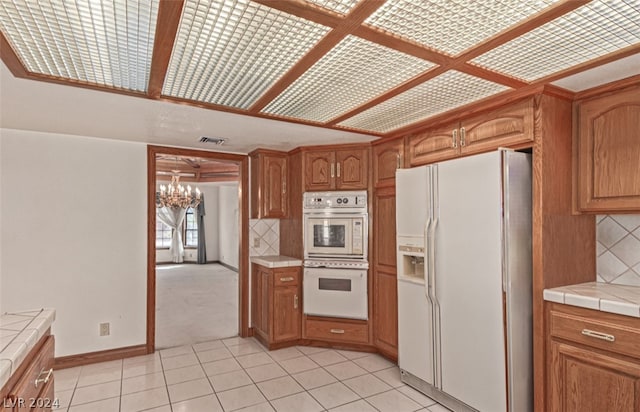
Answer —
(215, 140)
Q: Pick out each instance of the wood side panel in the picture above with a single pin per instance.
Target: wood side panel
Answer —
(291, 227)
(72, 361)
(169, 12)
(243, 253)
(388, 156)
(384, 232)
(385, 316)
(152, 152)
(256, 186)
(563, 244)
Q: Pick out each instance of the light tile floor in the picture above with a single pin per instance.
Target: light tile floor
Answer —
(240, 374)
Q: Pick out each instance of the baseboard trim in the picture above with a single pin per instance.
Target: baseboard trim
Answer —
(71, 361)
(227, 266)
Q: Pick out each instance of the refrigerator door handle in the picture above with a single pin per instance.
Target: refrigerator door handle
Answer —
(427, 269)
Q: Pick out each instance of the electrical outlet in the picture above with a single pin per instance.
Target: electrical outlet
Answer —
(256, 242)
(104, 329)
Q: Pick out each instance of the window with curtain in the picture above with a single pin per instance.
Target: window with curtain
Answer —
(163, 235)
(190, 228)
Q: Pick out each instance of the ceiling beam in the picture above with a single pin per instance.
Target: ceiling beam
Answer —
(11, 59)
(543, 17)
(169, 12)
(353, 20)
(304, 10)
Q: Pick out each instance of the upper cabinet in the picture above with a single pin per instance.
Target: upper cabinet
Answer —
(269, 198)
(388, 156)
(607, 148)
(506, 127)
(343, 169)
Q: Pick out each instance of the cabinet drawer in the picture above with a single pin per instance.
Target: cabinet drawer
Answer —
(32, 383)
(286, 277)
(598, 334)
(337, 331)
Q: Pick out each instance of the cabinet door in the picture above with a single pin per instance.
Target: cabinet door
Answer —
(320, 170)
(385, 297)
(286, 313)
(387, 158)
(434, 145)
(352, 166)
(608, 151)
(510, 126)
(275, 187)
(586, 381)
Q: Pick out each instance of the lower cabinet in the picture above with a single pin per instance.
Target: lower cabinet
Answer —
(276, 312)
(32, 388)
(336, 330)
(594, 360)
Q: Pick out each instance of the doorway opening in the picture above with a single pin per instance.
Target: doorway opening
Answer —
(189, 302)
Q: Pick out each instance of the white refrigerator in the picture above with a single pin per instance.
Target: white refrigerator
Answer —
(464, 281)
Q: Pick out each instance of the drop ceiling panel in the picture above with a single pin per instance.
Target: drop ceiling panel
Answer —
(352, 73)
(338, 6)
(229, 52)
(107, 43)
(448, 91)
(452, 26)
(589, 32)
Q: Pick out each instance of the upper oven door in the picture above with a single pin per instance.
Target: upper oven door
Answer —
(328, 236)
(335, 236)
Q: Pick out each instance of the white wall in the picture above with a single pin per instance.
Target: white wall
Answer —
(73, 235)
(2, 310)
(228, 226)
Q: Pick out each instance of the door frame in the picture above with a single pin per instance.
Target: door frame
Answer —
(243, 233)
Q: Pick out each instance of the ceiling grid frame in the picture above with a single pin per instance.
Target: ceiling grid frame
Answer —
(345, 18)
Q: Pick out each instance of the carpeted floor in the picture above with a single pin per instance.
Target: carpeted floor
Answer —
(195, 303)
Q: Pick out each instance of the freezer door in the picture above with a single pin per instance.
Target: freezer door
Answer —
(468, 281)
(412, 204)
(415, 333)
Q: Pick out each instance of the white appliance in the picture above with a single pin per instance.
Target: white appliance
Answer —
(335, 238)
(335, 291)
(335, 225)
(464, 281)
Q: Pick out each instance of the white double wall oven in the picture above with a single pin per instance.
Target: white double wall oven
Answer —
(335, 254)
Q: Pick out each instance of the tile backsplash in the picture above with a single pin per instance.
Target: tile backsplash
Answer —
(618, 249)
(264, 237)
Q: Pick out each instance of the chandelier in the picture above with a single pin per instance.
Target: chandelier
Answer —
(177, 196)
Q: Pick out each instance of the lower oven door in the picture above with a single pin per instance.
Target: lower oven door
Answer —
(340, 293)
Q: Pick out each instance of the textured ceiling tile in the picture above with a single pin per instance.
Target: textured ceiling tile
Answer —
(351, 74)
(231, 52)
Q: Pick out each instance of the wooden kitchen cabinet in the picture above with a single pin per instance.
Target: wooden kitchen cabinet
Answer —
(388, 156)
(506, 127)
(594, 360)
(385, 295)
(608, 152)
(276, 305)
(340, 169)
(31, 387)
(269, 180)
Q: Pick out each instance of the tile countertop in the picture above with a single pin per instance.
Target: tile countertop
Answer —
(605, 297)
(19, 332)
(276, 261)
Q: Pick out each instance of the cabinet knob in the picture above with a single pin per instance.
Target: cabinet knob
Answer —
(338, 167)
(454, 138)
(333, 170)
(45, 379)
(463, 134)
(337, 331)
(287, 279)
(295, 301)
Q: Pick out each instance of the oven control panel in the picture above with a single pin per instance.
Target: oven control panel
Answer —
(336, 264)
(356, 199)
